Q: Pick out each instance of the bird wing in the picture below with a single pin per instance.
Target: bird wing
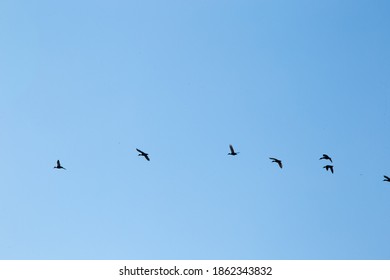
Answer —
(231, 149)
(146, 156)
(327, 157)
(280, 164)
(58, 163)
(331, 168)
(271, 158)
(388, 178)
(138, 150)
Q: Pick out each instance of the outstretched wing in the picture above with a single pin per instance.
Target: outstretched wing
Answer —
(386, 177)
(138, 150)
(325, 156)
(280, 164)
(331, 168)
(272, 158)
(231, 149)
(58, 164)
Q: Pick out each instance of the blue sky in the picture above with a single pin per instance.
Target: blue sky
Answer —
(87, 82)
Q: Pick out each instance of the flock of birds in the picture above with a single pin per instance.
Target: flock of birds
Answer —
(234, 153)
(279, 162)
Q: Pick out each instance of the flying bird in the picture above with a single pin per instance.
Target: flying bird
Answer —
(278, 161)
(143, 154)
(232, 152)
(327, 167)
(387, 179)
(325, 156)
(59, 165)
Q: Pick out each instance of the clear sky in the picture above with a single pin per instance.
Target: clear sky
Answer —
(88, 82)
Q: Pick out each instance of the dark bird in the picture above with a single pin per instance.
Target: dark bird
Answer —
(387, 179)
(232, 152)
(143, 154)
(327, 167)
(278, 161)
(325, 156)
(59, 165)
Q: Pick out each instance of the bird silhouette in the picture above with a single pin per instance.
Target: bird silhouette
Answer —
(232, 152)
(387, 179)
(143, 154)
(327, 167)
(278, 161)
(325, 156)
(59, 165)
